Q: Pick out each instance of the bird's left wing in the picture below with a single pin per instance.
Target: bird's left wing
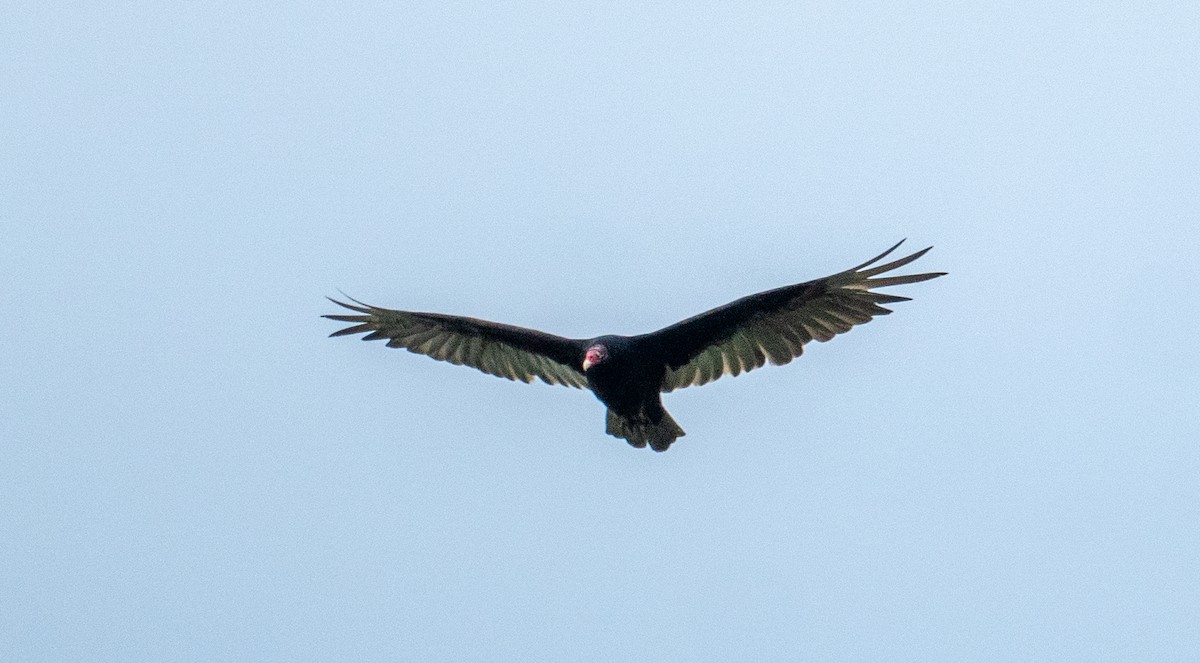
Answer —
(503, 350)
(774, 325)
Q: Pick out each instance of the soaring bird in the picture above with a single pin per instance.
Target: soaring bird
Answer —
(629, 373)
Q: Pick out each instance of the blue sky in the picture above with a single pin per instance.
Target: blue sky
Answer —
(1004, 469)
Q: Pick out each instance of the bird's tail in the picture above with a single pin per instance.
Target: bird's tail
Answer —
(641, 429)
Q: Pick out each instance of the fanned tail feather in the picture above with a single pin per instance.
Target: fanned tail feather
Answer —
(640, 430)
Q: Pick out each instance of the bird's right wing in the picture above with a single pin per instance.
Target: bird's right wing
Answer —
(503, 350)
(774, 325)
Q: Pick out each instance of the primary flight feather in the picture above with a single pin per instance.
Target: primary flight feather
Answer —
(629, 373)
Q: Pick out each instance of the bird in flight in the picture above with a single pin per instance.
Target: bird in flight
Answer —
(630, 373)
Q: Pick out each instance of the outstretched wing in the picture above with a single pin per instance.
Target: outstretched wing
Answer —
(503, 350)
(774, 325)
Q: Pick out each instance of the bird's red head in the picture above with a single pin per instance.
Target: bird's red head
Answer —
(594, 355)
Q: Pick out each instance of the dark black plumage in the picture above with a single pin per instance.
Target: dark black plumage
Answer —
(629, 373)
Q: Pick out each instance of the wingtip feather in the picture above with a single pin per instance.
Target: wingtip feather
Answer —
(353, 329)
(895, 264)
(361, 308)
(881, 256)
(901, 280)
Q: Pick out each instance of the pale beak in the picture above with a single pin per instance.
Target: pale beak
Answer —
(586, 365)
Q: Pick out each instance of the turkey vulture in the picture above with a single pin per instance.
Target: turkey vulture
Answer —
(628, 373)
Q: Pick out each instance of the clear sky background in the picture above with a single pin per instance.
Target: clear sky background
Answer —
(1007, 468)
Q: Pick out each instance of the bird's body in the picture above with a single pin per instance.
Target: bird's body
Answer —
(629, 381)
(629, 373)
(627, 377)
